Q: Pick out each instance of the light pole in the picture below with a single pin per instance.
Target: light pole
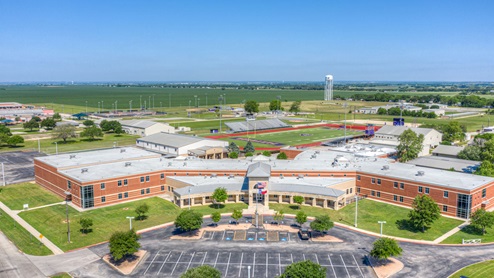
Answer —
(56, 147)
(130, 104)
(149, 103)
(3, 174)
(356, 209)
(189, 199)
(381, 222)
(116, 106)
(279, 105)
(344, 106)
(220, 99)
(401, 112)
(130, 219)
(195, 100)
(39, 146)
(145, 106)
(98, 107)
(67, 195)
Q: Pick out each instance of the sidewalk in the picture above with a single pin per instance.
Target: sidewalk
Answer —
(31, 230)
(450, 233)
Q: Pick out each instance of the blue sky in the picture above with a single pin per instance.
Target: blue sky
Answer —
(246, 40)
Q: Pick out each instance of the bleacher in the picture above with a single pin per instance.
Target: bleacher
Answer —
(255, 125)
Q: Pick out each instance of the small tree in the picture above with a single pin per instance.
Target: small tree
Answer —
(249, 148)
(237, 214)
(295, 107)
(85, 223)
(298, 200)
(91, 132)
(251, 106)
(249, 154)
(301, 218)
(88, 123)
(266, 153)
(32, 124)
(279, 216)
(424, 212)
(482, 219)
(233, 155)
(123, 244)
(216, 216)
(219, 195)
(57, 117)
(202, 272)
(384, 248)
(64, 132)
(48, 123)
(304, 269)
(281, 155)
(410, 145)
(188, 220)
(322, 223)
(233, 148)
(141, 211)
(15, 140)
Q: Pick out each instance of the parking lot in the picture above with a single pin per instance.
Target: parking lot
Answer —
(253, 235)
(172, 263)
(19, 166)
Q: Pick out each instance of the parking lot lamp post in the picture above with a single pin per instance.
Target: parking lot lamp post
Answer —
(130, 105)
(344, 106)
(67, 195)
(189, 199)
(3, 174)
(56, 147)
(356, 209)
(130, 220)
(39, 146)
(381, 222)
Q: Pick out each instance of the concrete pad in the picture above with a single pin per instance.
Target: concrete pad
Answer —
(66, 262)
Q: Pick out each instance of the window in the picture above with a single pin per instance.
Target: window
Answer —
(358, 189)
(87, 196)
(484, 191)
(169, 189)
(142, 179)
(427, 190)
(351, 190)
(378, 194)
(102, 185)
(126, 195)
(402, 185)
(162, 188)
(401, 199)
(119, 183)
(358, 177)
(421, 189)
(395, 198)
(142, 191)
(379, 181)
(69, 185)
(119, 195)
(445, 194)
(445, 208)
(147, 178)
(395, 184)
(373, 193)
(373, 180)
(103, 199)
(162, 176)
(148, 190)
(464, 205)
(126, 182)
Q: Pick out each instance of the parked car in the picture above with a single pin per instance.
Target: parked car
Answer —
(304, 233)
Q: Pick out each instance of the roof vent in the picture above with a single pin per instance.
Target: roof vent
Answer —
(169, 164)
(231, 176)
(72, 156)
(214, 175)
(122, 150)
(185, 164)
(420, 173)
(128, 164)
(386, 167)
(84, 170)
(300, 176)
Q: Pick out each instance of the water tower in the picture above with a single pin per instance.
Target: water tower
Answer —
(328, 88)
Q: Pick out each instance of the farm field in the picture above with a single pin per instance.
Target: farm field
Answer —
(293, 137)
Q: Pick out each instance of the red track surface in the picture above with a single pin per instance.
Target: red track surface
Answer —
(354, 127)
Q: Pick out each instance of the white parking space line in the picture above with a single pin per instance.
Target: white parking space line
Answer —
(166, 259)
(212, 235)
(177, 263)
(151, 263)
(215, 262)
(223, 237)
(332, 267)
(254, 266)
(204, 259)
(241, 259)
(358, 266)
(266, 265)
(345, 266)
(291, 256)
(279, 262)
(191, 258)
(317, 260)
(228, 264)
(304, 257)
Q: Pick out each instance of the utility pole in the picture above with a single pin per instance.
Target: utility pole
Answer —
(356, 209)
(67, 194)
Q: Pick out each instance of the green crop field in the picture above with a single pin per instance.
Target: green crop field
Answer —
(294, 137)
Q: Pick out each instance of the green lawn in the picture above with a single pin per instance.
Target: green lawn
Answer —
(50, 221)
(62, 275)
(478, 270)
(369, 212)
(16, 195)
(21, 237)
(470, 232)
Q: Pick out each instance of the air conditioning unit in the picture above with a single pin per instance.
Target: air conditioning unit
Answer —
(420, 173)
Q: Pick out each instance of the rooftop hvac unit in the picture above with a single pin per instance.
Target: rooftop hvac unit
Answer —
(169, 164)
(72, 156)
(122, 150)
(128, 164)
(84, 170)
(185, 163)
(231, 176)
(420, 173)
(386, 167)
(214, 175)
(300, 176)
